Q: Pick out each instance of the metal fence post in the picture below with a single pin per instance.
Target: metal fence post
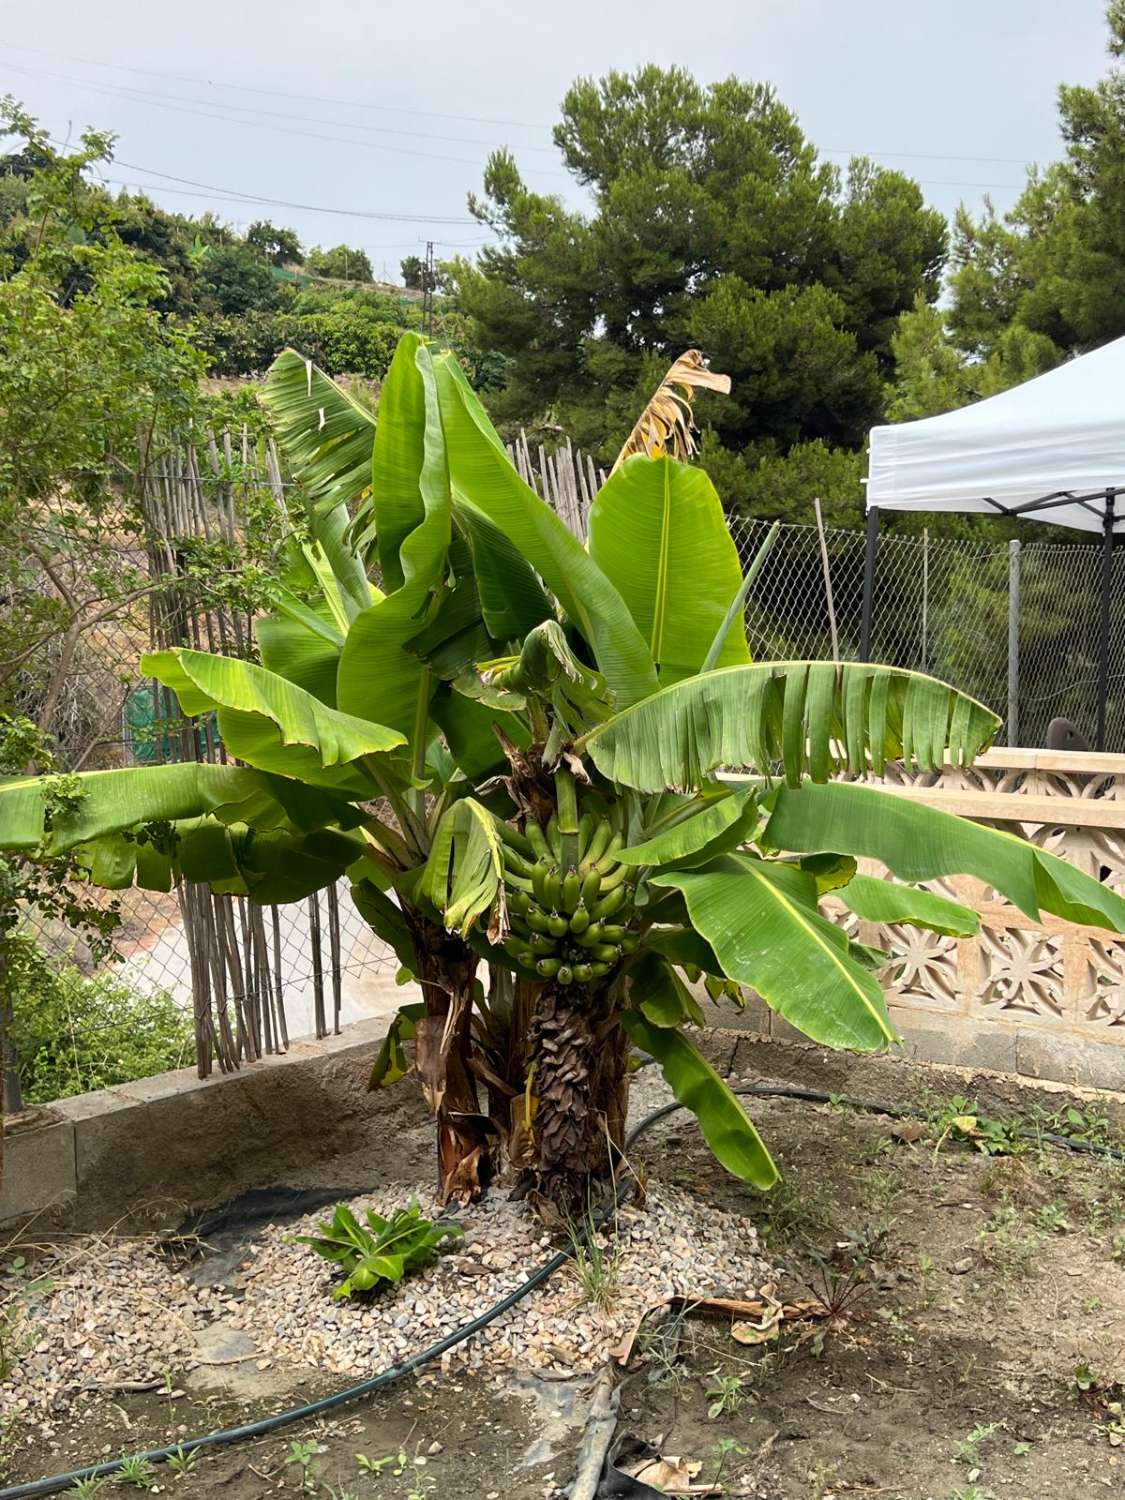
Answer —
(869, 557)
(1013, 643)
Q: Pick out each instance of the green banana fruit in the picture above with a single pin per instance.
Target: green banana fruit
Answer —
(580, 919)
(610, 904)
(571, 891)
(538, 841)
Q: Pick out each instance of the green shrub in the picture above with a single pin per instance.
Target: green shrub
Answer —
(73, 1033)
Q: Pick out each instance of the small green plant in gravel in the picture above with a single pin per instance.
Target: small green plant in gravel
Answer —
(381, 1252)
(87, 1489)
(137, 1471)
(15, 1337)
(596, 1265)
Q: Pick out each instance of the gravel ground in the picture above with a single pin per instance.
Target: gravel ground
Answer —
(115, 1313)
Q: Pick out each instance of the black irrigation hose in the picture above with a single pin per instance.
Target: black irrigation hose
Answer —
(36, 1488)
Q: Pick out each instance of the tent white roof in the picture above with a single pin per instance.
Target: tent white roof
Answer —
(1050, 448)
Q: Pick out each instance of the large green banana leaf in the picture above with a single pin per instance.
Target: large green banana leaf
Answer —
(300, 654)
(327, 438)
(379, 677)
(810, 717)
(512, 600)
(883, 901)
(34, 815)
(916, 842)
(483, 477)
(273, 866)
(399, 457)
(716, 817)
(269, 722)
(658, 532)
(760, 917)
(726, 1127)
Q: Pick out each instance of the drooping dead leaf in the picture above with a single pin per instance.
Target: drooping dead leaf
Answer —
(668, 1472)
(666, 424)
(756, 1318)
(908, 1130)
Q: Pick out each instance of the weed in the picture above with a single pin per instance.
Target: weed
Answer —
(1011, 1250)
(968, 1449)
(15, 1338)
(377, 1465)
(723, 1450)
(959, 1119)
(1117, 1247)
(136, 1471)
(725, 1395)
(974, 1492)
(794, 1215)
(1021, 1450)
(181, 1463)
(300, 1455)
(1052, 1219)
(926, 1270)
(822, 1480)
(659, 1344)
(596, 1260)
(87, 1489)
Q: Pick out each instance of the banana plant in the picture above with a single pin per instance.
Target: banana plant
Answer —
(676, 818)
(520, 748)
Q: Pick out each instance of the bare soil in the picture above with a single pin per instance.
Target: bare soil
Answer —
(978, 1352)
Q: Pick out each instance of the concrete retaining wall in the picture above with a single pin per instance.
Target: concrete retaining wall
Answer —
(140, 1155)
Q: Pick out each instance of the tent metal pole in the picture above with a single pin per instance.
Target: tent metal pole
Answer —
(1013, 643)
(1103, 622)
(869, 582)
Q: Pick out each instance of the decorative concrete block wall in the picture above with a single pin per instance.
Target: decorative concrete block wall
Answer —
(1042, 998)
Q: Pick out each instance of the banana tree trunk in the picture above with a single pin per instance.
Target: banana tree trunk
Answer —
(579, 1053)
(447, 977)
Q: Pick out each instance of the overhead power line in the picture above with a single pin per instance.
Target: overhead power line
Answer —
(243, 88)
(135, 96)
(319, 208)
(150, 96)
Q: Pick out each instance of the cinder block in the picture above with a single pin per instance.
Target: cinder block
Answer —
(39, 1172)
(973, 1045)
(1091, 1065)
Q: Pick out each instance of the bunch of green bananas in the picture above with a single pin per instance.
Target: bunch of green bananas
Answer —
(568, 924)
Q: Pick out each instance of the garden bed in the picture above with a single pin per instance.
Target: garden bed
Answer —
(977, 1351)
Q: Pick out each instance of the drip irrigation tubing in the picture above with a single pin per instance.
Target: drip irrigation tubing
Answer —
(37, 1488)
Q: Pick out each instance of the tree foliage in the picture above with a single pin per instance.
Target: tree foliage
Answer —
(1042, 282)
(714, 225)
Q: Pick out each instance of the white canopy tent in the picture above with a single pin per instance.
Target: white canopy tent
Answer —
(1052, 449)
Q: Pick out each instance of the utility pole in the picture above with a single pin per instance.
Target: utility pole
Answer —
(428, 290)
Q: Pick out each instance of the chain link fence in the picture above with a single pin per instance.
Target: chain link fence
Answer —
(946, 607)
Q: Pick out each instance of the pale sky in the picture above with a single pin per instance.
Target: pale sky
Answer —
(391, 109)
